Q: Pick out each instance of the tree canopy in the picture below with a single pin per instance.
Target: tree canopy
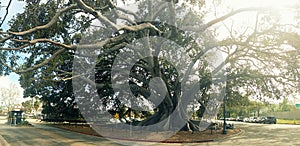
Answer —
(169, 54)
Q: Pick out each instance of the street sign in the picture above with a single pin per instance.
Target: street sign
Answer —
(297, 104)
(116, 116)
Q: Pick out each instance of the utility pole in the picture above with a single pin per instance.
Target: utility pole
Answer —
(224, 114)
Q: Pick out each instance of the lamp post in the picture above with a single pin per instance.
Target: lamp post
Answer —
(224, 114)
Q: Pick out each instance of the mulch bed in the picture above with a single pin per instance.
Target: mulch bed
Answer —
(179, 137)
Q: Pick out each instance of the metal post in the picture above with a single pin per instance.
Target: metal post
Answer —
(224, 114)
(294, 110)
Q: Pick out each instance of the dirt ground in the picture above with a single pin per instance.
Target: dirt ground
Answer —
(181, 136)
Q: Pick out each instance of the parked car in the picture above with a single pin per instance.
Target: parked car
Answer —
(253, 119)
(239, 118)
(246, 120)
(270, 120)
(230, 119)
(260, 119)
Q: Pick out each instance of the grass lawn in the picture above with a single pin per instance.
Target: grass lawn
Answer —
(286, 121)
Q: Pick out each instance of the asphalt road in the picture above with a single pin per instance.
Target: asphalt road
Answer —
(253, 134)
(264, 135)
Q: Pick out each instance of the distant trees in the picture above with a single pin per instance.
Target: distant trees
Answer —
(285, 106)
(10, 96)
(258, 108)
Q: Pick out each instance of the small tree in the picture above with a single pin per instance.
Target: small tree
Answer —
(27, 107)
(36, 105)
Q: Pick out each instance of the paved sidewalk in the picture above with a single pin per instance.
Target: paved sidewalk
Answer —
(3, 120)
(42, 135)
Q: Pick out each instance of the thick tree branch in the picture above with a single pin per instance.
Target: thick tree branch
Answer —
(43, 40)
(19, 48)
(5, 38)
(106, 21)
(49, 24)
(224, 17)
(96, 14)
(45, 62)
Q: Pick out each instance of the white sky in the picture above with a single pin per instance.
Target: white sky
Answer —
(261, 3)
